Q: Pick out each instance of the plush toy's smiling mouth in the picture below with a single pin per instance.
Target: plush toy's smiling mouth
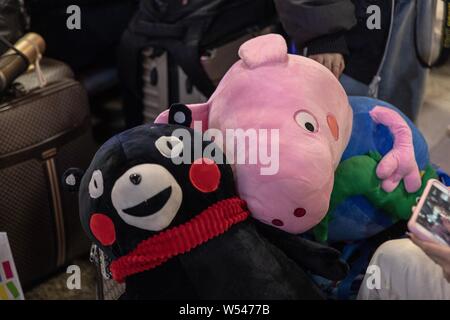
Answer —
(151, 205)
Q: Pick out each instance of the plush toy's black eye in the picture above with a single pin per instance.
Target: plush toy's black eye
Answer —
(307, 121)
(309, 126)
(135, 178)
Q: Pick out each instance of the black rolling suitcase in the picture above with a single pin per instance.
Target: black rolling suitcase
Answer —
(43, 131)
(176, 51)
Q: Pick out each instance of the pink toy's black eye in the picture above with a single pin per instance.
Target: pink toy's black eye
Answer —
(307, 121)
(205, 175)
(102, 227)
(309, 126)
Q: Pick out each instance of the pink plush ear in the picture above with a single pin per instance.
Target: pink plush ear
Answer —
(163, 117)
(200, 112)
(264, 50)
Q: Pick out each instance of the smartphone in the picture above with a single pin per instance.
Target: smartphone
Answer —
(431, 218)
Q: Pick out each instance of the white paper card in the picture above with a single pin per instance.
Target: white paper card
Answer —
(10, 288)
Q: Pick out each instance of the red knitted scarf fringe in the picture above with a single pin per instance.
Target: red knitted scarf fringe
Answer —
(158, 249)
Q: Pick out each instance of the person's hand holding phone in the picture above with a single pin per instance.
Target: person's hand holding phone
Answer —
(437, 252)
(333, 61)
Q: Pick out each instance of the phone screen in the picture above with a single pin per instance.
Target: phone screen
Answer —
(435, 214)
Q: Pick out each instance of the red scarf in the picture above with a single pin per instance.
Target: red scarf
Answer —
(159, 248)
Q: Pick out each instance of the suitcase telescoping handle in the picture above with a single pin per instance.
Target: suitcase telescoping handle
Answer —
(27, 50)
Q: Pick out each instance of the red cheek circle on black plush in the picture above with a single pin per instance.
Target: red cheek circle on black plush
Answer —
(205, 175)
(103, 229)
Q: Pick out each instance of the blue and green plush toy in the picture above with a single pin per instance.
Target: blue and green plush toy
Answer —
(361, 214)
(359, 208)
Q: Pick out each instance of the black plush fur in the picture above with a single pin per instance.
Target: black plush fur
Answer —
(240, 264)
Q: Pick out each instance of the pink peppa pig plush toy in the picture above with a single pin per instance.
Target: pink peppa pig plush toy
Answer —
(301, 102)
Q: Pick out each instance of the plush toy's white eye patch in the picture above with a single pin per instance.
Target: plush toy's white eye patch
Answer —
(307, 121)
(96, 184)
(169, 146)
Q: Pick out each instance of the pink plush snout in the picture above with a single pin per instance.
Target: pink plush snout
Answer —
(297, 197)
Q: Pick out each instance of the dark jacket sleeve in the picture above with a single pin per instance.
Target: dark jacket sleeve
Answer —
(318, 25)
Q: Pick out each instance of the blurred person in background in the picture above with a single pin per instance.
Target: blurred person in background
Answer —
(369, 45)
(332, 31)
